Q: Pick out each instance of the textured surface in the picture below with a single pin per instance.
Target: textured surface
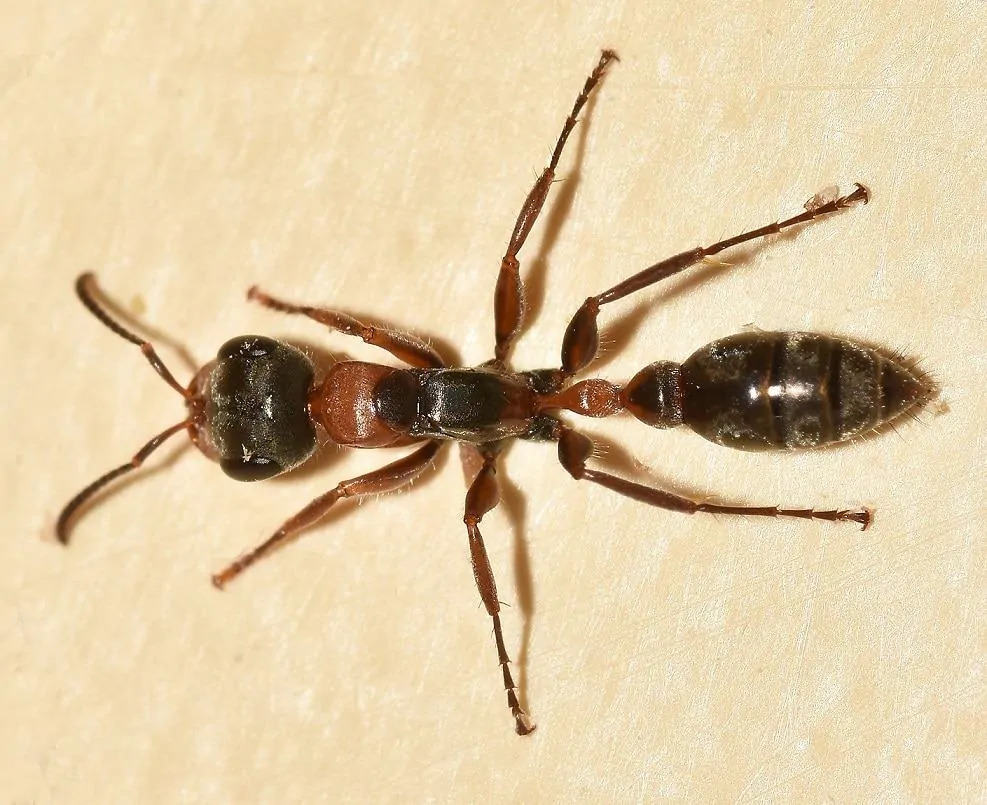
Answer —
(375, 160)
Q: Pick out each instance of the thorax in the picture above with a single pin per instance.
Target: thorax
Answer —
(369, 405)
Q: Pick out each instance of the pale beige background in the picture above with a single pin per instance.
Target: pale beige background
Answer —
(373, 156)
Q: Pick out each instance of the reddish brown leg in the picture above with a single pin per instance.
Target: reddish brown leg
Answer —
(509, 292)
(386, 479)
(581, 341)
(575, 448)
(482, 496)
(62, 525)
(403, 346)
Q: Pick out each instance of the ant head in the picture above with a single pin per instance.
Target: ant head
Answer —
(249, 408)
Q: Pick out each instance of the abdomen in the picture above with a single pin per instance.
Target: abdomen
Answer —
(770, 390)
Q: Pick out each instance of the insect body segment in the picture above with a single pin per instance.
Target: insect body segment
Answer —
(364, 405)
(258, 407)
(255, 419)
(776, 391)
(368, 405)
(768, 391)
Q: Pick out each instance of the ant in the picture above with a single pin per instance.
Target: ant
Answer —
(256, 408)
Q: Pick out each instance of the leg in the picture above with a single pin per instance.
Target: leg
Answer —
(575, 448)
(471, 460)
(403, 346)
(386, 479)
(509, 293)
(582, 339)
(482, 496)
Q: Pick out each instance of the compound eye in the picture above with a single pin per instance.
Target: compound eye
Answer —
(250, 467)
(247, 346)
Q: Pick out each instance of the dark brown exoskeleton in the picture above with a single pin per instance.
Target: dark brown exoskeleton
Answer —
(257, 407)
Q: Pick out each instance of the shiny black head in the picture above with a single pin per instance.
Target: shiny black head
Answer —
(247, 409)
(256, 408)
